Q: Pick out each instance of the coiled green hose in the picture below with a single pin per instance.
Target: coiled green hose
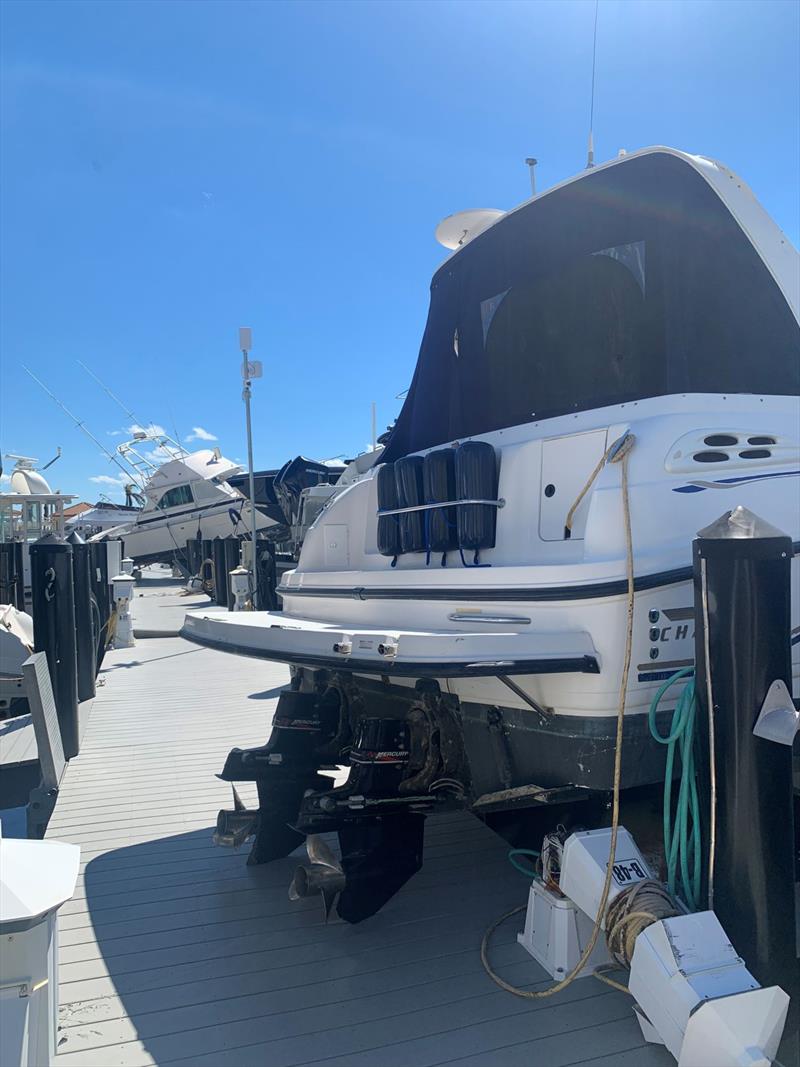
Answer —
(682, 845)
(523, 868)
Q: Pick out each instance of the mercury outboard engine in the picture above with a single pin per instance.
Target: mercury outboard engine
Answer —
(400, 770)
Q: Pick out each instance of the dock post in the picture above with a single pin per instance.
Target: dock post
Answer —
(12, 582)
(220, 571)
(54, 629)
(206, 556)
(19, 567)
(231, 563)
(8, 580)
(265, 576)
(86, 618)
(98, 576)
(8, 592)
(742, 653)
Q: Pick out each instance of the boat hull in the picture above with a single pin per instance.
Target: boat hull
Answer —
(560, 730)
(155, 538)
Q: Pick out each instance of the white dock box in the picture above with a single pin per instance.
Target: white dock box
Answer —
(36, 878)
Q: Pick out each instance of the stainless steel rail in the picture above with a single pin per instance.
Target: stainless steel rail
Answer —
(499, 503)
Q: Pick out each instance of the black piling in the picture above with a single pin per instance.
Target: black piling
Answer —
(19, 567)
(87, 617)
(266, 577)
(742, 646)
(220, 571)
(191, 557)
(12, 582)
(206, 570)
(102, 594)
(54, 629)
(232, 549)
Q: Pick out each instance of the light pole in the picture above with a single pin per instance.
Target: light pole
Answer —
(250, 370)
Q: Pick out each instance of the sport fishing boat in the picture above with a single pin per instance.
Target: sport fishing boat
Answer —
(184, 495)
(604, 371)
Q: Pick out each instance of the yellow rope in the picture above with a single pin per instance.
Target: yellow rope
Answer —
(618, 453)
(584, 491)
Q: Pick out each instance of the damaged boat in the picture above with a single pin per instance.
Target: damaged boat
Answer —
(604, 370)
(183, 495)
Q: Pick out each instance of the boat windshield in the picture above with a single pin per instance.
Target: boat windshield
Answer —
(635, 281)
(180, 494)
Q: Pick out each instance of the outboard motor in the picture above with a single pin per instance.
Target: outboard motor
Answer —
(283, 770)
(400, 770)
(381, 838)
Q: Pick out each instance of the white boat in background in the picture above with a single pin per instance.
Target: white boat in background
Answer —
(185, 495)
(90, 519)
(31, 509)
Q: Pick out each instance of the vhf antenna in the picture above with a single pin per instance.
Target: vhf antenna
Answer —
(531, 164)
(135, 420)
(590, 153)
(82, 426)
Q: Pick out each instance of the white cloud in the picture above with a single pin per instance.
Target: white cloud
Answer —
(152, 428)
(109, 479)
(199, 434)
(5, 477)
(158, 456)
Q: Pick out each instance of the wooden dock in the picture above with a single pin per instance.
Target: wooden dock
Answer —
(175, 952)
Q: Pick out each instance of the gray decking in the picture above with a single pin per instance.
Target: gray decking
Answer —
(160, 603)
(173, 951)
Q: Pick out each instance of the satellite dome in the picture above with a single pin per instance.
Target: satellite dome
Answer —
(456, 230)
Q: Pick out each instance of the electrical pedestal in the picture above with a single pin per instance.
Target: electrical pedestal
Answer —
(556, 933)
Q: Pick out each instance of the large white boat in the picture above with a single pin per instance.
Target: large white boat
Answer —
(458, 619)
(185, 495)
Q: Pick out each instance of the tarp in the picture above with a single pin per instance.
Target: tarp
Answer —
(635, 281)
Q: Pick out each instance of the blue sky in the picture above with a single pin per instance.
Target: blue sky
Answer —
(171, 171)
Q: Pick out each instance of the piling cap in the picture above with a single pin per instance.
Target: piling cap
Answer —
(75, 538)
(36, 877)
(50, 540)
(739, 523)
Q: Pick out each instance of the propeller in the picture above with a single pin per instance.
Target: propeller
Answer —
(323, 875)
(234, 826)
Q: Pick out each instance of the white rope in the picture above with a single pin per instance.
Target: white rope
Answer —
(617, 453)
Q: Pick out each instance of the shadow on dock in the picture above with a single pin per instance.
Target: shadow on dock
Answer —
(193, 957)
